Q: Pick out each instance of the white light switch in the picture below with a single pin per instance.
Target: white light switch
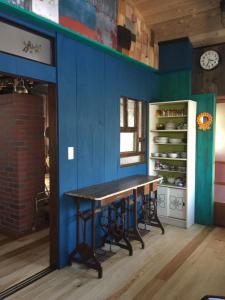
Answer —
(70, 153)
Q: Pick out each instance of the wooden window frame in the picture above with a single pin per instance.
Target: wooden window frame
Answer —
(135, 129)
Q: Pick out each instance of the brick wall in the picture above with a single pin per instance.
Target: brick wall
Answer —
(21, 160)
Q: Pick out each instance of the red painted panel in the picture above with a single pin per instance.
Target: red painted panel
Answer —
(220, 172)
(219, 193)
(77, 26)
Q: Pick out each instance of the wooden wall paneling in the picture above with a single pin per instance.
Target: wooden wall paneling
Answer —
(23, 67)
(219, 214)
(67, 137)
(138, 84)
(209, 81)
(112, 117)
(175, 85)
(90, 116)
(129, 16)
(205, 162)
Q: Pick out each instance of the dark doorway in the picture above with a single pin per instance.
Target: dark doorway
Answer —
(28, 180)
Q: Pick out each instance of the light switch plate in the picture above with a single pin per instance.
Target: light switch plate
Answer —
(70, 153)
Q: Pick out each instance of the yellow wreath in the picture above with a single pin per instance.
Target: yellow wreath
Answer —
(204, 121)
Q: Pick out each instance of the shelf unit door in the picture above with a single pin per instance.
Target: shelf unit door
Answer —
(177, 203)
(162, 201)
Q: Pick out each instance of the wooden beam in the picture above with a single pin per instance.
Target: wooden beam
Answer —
(190, 8)
(157, 5)
(189, 26)
(208, 38)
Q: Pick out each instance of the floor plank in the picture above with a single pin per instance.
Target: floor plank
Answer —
(22, 241)
(124, 276)
(23, 257)
(201, 274)
(168, 270)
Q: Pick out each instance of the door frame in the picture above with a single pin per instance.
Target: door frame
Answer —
(53, 155)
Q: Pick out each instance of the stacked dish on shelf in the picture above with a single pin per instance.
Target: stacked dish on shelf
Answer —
(172, 132)
(169, 155)
(170, 126)
(167, 140)
(172, 140)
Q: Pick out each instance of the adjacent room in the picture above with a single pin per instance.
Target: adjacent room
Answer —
(25, 179)
(112, 142)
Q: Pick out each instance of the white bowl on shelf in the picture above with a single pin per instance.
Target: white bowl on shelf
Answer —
(170, 126)
(163, 155)
(171, 180)
(155, 154)
(175, 141)
(161, 139)
(172, 155)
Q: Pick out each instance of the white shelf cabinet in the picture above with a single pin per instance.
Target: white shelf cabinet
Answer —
(176, 205)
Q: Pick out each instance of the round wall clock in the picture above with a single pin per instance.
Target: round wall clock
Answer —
(209, 60)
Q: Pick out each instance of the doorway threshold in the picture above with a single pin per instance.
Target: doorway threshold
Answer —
(15, 288)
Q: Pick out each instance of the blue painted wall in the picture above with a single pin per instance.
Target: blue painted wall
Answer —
(90, 84)
(175, 55)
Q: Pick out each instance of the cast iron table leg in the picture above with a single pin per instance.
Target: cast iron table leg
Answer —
(136, 231)
(93, 221)
(87, 253)
(156, 214)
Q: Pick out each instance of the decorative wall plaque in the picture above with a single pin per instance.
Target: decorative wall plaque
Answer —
(24, 43)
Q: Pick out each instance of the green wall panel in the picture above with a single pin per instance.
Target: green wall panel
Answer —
(175, 85)
(178, 85)
(205, 162)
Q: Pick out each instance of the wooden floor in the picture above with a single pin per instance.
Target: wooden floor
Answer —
(182, 265)
(23, 257)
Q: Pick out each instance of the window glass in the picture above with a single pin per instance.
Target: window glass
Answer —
(127, 141)
(131, 113)
(130, 160)
(140, 119)
(121, 112)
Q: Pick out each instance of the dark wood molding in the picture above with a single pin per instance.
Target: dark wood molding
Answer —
(53, 155)
(132, 164)
(139, 138)
(131, 153)
(220, 99)
(128, 129)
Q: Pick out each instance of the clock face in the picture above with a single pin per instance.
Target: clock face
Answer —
(209, 60)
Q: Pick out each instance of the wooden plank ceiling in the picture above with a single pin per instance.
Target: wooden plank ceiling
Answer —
(200, 20)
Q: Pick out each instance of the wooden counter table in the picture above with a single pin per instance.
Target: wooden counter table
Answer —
(102, 195)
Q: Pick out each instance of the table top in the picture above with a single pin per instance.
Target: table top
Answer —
(102, 191)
